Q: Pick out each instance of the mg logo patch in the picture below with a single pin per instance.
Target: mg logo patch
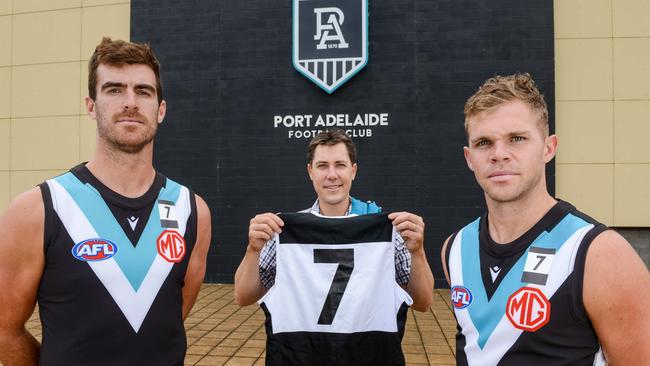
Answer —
(461, 297)
(171, 246)
(528, 309)
(330, 40)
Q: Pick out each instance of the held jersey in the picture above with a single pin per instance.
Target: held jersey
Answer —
(335, 300)
(534, 314)
(104, 297)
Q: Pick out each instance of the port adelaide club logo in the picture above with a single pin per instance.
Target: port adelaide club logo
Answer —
(330, 40)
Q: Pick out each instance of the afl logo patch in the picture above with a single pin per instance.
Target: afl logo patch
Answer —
(461, 297)
(93, 250)
(528, 309)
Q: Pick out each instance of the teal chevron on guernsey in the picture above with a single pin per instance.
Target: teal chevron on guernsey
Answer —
(134, 261)
(484, 309)
(135, 274)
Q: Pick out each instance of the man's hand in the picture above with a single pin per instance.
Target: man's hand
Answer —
(248, 287)
(262, 228)
(411, 228)
(420, 285)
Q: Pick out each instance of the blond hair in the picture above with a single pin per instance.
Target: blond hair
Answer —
(502, 89)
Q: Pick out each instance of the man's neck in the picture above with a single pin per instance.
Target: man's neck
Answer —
(340, 209)
(510, 220)
(129, 175)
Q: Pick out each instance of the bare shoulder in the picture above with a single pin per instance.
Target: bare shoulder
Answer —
(201, 205)
(443, 258)
(204, 219)
(616, 296)
(24, 218)
(611, 254)
(22, 260)
(445, 245)
(613, 264)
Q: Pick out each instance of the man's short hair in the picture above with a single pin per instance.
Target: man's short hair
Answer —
(119, 53)
(502, 89)
(330, 138)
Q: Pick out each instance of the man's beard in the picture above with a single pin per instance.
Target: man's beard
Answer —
(130, 144)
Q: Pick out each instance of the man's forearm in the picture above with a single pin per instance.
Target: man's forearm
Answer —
(20, 349)
(248, 287)
(420, 285)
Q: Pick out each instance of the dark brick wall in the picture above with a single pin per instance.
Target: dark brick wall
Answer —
(227, 71)
(639, 238)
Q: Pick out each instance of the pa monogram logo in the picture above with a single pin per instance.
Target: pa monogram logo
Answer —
(330, 40)
(528, 309)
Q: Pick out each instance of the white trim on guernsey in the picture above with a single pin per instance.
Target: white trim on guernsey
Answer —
(505, 335)
(370, 302)
(133, 304)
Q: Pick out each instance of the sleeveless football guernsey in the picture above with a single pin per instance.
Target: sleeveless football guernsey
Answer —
(106, 299)
(335, 300)
(534, 314)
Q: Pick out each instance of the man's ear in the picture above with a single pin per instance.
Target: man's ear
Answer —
(90, 107)
(468, 158)
(162, 109)
(550, 148)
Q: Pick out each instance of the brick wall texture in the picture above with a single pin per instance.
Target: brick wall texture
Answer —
(227, 70)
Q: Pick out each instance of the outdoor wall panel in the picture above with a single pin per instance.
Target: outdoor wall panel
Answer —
(632, 195)
(631, 18)
(227, 70)
(6, 7)
(25, 180)
(51, 36)
(583, 18)
(44, 143)
(632, 68)
(5, 145)
(585, 132)
(83, 86)
(45, 90)
(24, 6)
(5, 189)
(583, 69)
(632, 131)
(581, 183)
(87, 137)
(99, 21)
(5, 40)
(85, 3)
(5, 92)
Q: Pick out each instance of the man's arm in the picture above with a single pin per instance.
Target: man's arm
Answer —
(420, 285)
(616, 294)
(196, 266)
(443, 260)
(248, 286)
(21, 267)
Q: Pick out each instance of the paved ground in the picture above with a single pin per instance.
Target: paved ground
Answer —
(221, 333)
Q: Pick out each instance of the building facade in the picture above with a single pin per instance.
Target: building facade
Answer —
(236, 130)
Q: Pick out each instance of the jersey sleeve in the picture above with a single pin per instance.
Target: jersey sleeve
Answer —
(267, 264)
(402, 261)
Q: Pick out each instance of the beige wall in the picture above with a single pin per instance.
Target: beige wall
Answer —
(602, 97)
(602, 91)
(44, 50)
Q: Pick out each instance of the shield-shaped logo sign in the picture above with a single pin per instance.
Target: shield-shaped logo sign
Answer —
(330, 40)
